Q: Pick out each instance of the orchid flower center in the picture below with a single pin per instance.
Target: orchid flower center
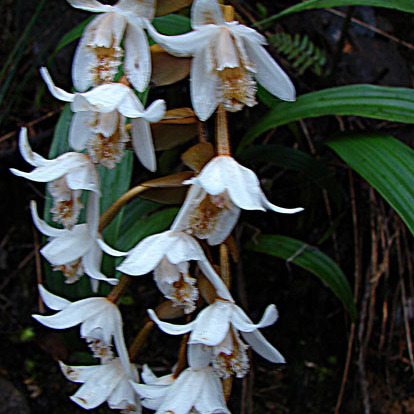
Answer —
(205, 216)
(107, 148)
(237, 86)
(66, 203)
(231, 356)
(72, 270)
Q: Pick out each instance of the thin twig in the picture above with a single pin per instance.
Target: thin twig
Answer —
(38, 266)
(373, 28)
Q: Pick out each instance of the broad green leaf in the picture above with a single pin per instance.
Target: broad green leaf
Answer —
(387, 164)
(379, 102)
(172, 24)
(311, 259)
(297, 160)
(135, 227)
(402, 5)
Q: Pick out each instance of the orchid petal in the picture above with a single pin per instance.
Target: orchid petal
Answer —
(156, 111)
(274, 207)
(212, 324)
(72, 315)
(78, 374)
(81, 129)
(268, 73)
(92, 263)
(123, 398)
(199, 356)
(203, 87)
(150, 391)
(183, 248)
(110, 31)
(103, 98)
(58, 93)
(54, 169)
(260, 345)
(226, 221)
(183, 393)
(52, 301)
(142, 143)
(84, 178)
(205, 12)
(85, 59)
(71, 246)
(97, 389)
(146, 255)
(179, 45)
(170, 328)
(215, 279)
(147, 375)
(42, 226)
(119, 342)
(109, 250)
(194, 194)
(92, 214)
(244, 324)
(108, 123)
(131, 8)
(28, 155)
(137, 63)
(90, 5)
(211, 398)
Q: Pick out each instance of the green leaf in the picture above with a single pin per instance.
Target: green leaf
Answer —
(172, 24)
(379, 102)
(402, 5)
(297, 160)
(311, 259)
(386, 163)
(135, 227)
(71, 36)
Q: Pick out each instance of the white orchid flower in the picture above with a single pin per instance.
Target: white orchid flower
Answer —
(99, 122)
(74, 251)
(227, 56)
(168, 254)
(66, 175)
(194, 391)
(99, 52)
(107, 382)
(100, 321)
(213, 203)
(218, 326)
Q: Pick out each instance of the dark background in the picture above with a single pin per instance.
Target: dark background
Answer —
(312, 332)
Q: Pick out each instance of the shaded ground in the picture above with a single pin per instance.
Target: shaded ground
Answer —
(312, 330)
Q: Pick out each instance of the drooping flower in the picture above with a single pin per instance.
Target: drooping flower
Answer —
(107, 382)
(74, 251)
(168, 254)
(100, 321)
(213, 203)
(99, 122)
(218, 326)
(66, 175)
(196, 390)
(227, 58)
(99, 52)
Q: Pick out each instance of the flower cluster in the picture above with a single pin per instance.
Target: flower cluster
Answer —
(228, 59)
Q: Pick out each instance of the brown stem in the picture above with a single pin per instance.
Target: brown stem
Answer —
(225, 265)
(117, 292)
(222, 132)
(112, 211)
(139, 340)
